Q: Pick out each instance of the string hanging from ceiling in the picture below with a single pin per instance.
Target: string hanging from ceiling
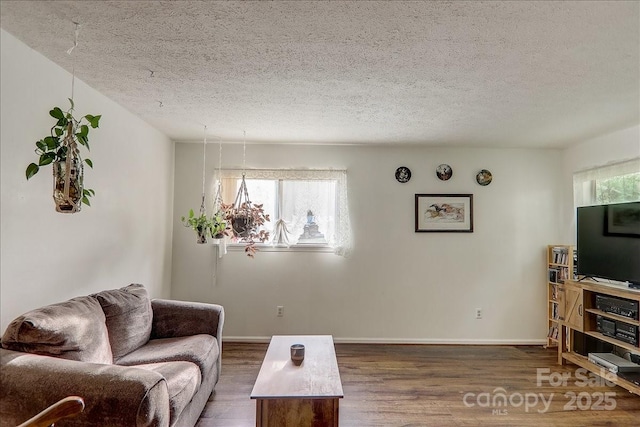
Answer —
(218, 222)
(203, 210)
(76, 33)
(217, 199)
(242, 221)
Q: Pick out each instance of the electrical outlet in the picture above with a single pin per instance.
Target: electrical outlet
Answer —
(478, 313)
(280, 311)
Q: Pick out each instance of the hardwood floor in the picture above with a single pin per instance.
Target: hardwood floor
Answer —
(439, 385)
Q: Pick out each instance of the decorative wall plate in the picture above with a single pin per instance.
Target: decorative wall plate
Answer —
(444, 172)
(484, 177)
(403, 174)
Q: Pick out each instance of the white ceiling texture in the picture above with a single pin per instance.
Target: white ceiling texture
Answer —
(491, 74)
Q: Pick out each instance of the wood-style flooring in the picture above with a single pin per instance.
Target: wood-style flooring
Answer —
(439, 385)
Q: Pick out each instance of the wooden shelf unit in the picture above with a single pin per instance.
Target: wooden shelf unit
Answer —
(559, 269)
(582, 296)
(583, 362)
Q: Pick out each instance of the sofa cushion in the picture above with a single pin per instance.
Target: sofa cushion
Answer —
(129, 318)
(183, 381)
(73, 329)
(200, 349)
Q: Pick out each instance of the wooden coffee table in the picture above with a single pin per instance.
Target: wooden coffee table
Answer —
(295, 396)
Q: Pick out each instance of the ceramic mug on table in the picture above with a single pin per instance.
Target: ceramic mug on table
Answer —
(297, 353)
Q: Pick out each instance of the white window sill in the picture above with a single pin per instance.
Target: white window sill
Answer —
(239, 247)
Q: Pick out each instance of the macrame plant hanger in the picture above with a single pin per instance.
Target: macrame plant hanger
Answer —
(217, 200)
(67, 194)
(242, 221)
(203, 210)
(218, 210)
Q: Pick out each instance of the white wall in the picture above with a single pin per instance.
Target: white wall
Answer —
(398, 285)
(609, 148)
(124, 237)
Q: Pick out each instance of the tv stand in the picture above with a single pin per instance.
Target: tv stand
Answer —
(579, 313)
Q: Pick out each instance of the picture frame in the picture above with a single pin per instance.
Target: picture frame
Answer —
(622, 220)
(437, 213)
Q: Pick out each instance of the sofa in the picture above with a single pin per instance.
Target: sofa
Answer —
(135, 361)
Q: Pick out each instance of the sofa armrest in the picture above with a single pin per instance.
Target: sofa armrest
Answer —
(113, 395)
(172, 318)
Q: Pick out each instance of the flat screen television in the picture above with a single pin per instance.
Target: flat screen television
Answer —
(608, 242)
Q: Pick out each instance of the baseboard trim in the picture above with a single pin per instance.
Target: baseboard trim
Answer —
(440, 341)
(245, 339)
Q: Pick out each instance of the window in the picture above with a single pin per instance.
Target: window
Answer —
(614, 183)
(312, 204)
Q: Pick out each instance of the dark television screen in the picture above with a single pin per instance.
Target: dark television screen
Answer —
(609, 241)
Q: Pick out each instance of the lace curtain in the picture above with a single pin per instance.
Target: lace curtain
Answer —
(337, 231)
(584, 182)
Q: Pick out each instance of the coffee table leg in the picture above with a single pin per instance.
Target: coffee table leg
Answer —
(259, 412)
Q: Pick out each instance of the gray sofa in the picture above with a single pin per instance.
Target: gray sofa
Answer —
(134, 361)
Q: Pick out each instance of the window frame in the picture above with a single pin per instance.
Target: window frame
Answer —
(343, 239)
(585, 182)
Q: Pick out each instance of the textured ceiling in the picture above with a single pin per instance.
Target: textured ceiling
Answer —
(499, 74)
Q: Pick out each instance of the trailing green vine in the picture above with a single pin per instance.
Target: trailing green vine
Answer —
(55, 147)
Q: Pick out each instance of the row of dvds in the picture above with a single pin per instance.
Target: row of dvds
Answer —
(560, 255)
(555, 312)
(558, 274)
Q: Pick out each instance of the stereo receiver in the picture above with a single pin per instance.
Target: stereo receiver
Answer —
(620, 306)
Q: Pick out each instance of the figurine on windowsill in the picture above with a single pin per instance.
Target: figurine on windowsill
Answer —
(311, 233)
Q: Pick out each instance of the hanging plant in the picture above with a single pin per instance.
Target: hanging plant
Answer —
(214, 226)
(245, 222)
(246, 219)
(204, 226)
(218, 225)
(200, 224)
(61, 150)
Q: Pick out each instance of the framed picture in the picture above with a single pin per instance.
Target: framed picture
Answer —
(623, 219)
(444, 213)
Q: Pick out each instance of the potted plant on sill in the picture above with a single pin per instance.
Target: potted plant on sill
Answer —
(61, 150)
(204, 226)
